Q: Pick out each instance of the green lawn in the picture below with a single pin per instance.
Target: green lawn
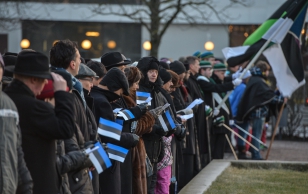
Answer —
(263, 181)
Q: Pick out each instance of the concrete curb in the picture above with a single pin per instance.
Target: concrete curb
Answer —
(202, 181)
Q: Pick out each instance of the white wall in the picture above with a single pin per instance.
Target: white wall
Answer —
(184, 40)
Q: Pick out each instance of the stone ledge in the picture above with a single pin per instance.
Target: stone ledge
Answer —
(202, 181)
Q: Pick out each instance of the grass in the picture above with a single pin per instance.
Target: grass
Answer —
(252, 180)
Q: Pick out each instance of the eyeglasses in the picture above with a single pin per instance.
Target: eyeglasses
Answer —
(90, 79)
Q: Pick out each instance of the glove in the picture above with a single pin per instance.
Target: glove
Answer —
(136, 139)
(89, 144)
(216, 112)
(143, 107)
(159, 130)
(208, 111)
(237, 82)
(185, 112)
(180, 132)
(219, 121)
(231, 123)
(156, 111)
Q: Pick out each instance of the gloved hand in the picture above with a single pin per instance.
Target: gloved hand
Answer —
(159, 130)
(237, 74)
(185, 112)
(219, 121)
(231, 123)
(180, 132)
(136, 139)
(208, 111)
(89, 144)
(237, 82)
(156, 111)
(216, 112)
(143, 107)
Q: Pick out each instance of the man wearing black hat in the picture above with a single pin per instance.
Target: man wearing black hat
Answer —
(64, 56)
(15, 176)
(108, 96)
(40, 124)
(114, 59)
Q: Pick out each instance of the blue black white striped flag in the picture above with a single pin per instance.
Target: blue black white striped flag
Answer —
(99, 159)
(117, 153)
(166, 121)
(142, 97)
(109, 129)
(126, 114)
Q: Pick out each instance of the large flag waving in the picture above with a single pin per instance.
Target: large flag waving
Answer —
(286, 60)
(279, 24)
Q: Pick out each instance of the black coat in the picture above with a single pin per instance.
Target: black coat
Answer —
(219, 87)
(41, 125)
(110, 179)
(190, 139)
(256, 94)
(79, 179)
(127, 141)
(199, 113)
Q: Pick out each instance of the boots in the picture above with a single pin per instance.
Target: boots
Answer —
(242, 153)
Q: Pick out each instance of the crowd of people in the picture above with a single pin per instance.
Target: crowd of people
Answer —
(51, 110)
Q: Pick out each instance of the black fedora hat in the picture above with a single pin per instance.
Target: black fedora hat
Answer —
(32, 63)
(114, 59)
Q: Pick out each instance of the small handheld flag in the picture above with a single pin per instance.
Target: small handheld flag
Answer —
(109, 129)
(117, 153)
(142, 97)
(99, 158)
(166, 121)
(126, 114)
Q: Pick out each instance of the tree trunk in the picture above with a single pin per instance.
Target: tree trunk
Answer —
(154, 29)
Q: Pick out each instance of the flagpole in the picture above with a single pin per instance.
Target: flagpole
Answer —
(227, 127)
(254, 60)
(235, 156)
(274, 133)
(250, 135)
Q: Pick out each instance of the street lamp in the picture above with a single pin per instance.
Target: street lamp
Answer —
(209, 45)
(147, 45)
(24, 43)
(86, 44)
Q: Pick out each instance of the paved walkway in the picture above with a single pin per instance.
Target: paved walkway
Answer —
(284, 151)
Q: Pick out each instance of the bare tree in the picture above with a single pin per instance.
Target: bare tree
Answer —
(157, 15)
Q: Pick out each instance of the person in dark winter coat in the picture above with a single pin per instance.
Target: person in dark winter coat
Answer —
(87, 76)
(199, 112)
(14, 174)
(255, 103)
(140, 127)
(107, 96)
(40, 123)
(187, 166)
(151, 83)
(64, 56)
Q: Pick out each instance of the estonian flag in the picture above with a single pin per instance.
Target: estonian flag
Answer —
(166, 121)
(109, 129)
(116, 152)
(288, 11)
(126, 114)
(142, 97)
(286, 59)
(100, 159)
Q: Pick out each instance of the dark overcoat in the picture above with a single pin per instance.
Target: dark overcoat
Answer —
(41, 125)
